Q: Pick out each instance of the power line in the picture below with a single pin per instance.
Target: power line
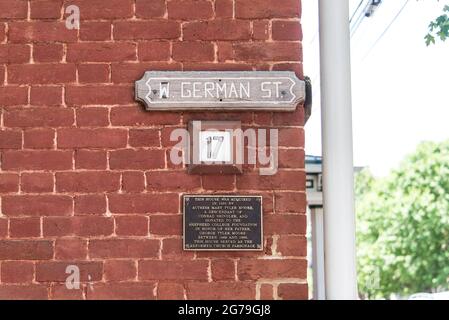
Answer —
(356, 9)
(387, 28)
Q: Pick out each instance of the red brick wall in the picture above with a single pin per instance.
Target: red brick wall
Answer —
(85, 178)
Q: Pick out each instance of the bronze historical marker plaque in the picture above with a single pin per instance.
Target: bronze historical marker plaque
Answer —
(226, 223)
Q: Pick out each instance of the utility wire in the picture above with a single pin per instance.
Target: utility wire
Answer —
(358, 21)
(355, 11)
(386, 29)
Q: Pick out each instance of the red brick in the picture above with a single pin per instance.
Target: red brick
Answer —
(23, 292)
(291, 158)
(9, 182)
(287, 30)
(95, 30)
(285, 224)
(172, 180)
(46, 9)
(268, 202)
(60, 292)
(2, 75)
(292, 246)
(154, 51)
(17, 272)
(166, 132)
(170, 291)
(41, 31)
(266, 292)
(150, 9)
(47, 52)
(124, 248)
(91, 138)
(131, 226)
(261, 30)
(37, 205)
(78, 226)
(36, 182)
(263, 118)
(24, 227)
(46, 95)
(43, 73)
(13, 96)
(10, 139)
(271, 269)
(97, 95)
(14, 53)
(290, 202)
(286, 180)
(259, 9)
(70, 249)
(127, 116)
(93, 73)
(225, 51)
(26, 250)
(133, 181)
(221, 291)
(122, 291)
(96, 10)
(172, 249)
(190, 9)
(293, 291)
(13, 9)
(218, 182)
(144, 138)
(244, 117)
(89, 182)
(224, 8)
(299, 70)
(166, 225)
(92, 117)
(37, 160)
(144, 203)
(120, 270)
(217, 30)
(101, 52)
(90, 204)
(267, 51)
(129, 72)
(173, 270)
(39, 117)
(3, 228)
(55, 271)
(2, 32)
(39, 139)
(223, 269)
(90, 159)
(146, 30)
(193, 51)
(137, 159)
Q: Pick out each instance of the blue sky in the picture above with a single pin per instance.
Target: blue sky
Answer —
(400, 86)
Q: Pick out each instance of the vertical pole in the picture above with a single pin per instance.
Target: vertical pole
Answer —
(338, 175)
(316, 215)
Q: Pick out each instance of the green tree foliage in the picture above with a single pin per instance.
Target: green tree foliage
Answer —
(403, 226)
(439, 28)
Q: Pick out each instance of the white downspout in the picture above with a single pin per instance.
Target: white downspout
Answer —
(336, 123)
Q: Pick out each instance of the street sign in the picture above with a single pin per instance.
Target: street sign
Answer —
(219, 91)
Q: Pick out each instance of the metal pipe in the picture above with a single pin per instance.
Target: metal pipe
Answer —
(337, 144)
